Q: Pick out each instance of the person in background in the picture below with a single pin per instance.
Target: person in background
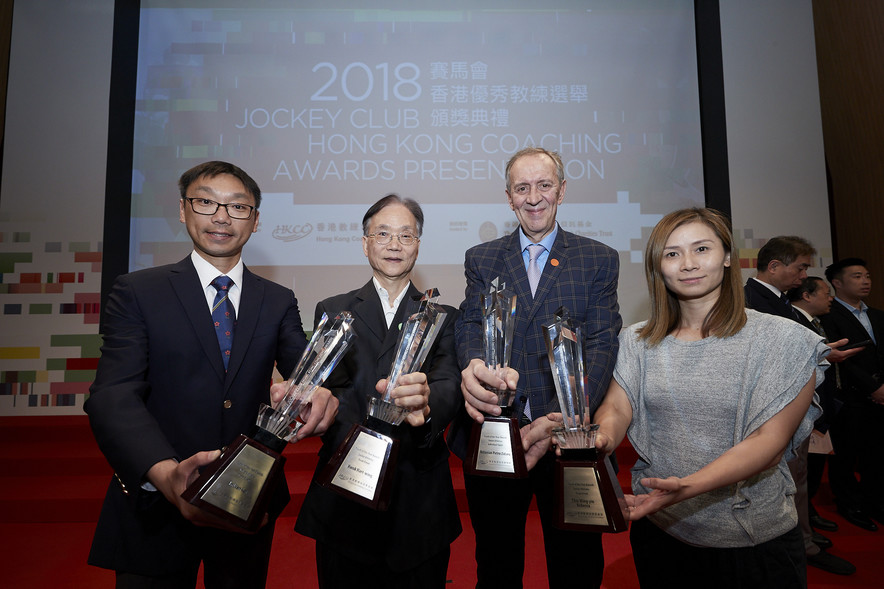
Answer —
(858, 430)
(810, 300)
(782, 265)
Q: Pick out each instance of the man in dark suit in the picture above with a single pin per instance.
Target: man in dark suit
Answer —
(858, 430)
(572, 271)
(782, 264)
(810, 300)
(170, 391)
(408, 545)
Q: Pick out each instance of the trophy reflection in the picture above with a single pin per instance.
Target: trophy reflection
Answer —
(362, 468)
(588, 493)
(495, 447)
(238, 485)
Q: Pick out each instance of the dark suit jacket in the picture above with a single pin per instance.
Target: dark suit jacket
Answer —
(863, 373)
(827, 390)
(160, 392)
(422, 519)
(760, 298)
(580, 274)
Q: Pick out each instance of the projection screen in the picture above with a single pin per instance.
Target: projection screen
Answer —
(331, 106)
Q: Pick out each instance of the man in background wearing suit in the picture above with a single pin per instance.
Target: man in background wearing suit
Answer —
(810, 300)
(546, 267)
(188, 357)
(782, 264)
(858, 430)
(407, 546)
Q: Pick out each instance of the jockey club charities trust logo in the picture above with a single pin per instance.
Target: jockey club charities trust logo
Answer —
(292, 232)
(487, 231)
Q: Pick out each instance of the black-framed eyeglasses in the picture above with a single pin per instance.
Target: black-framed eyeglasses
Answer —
(235, 210)
(385, 237)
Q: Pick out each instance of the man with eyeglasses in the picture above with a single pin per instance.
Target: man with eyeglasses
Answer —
(188, 357)
(409, 544)
(546, 267)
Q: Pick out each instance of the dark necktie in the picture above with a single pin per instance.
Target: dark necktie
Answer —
(818, 327)
(790, 309)
(224, 316)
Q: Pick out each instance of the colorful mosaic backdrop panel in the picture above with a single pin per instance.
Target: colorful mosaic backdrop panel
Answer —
(50, 300)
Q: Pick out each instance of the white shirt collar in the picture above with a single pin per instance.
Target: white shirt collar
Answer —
(770, 287)
(546, 242)
(807, 315)
(207, 272)
(388, 308)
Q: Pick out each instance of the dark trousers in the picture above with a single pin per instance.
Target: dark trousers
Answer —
(816, 465)
(499, 511)
(858, 439)
(230, 561)
(336, 571)
(662, 561)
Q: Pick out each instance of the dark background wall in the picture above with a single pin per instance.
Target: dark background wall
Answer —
(850, 61)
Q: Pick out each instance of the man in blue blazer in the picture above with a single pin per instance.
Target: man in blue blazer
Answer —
(575, 272)
(165, 399)
(408, 545)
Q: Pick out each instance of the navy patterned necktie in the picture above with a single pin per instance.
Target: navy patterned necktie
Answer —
(224, 316)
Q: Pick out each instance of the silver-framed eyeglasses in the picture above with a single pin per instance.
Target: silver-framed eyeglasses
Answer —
(385, 237)
(204, 206)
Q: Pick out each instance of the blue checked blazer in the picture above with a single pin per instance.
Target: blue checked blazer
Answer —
(580, 274)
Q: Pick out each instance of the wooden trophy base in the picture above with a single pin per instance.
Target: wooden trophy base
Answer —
(363, 467)
(495, 448)
(237, 487)
(590, 497)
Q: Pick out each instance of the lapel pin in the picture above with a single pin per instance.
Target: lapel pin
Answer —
(554, 262)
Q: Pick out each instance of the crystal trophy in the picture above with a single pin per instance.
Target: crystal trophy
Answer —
(237, 487)
(362, 468)
(495, 447)
(588, 494)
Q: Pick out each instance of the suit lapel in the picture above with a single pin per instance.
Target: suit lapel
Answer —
(246, 322)
(515, 269)
(367, 310)
(185, 282)
(775, 302)
(407, 307)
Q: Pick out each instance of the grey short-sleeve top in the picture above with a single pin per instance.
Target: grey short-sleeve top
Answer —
(692, 401)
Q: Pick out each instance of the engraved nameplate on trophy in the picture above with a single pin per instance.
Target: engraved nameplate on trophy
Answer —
(588, 495)
(495, 446)
(238, 486)
(363, 467)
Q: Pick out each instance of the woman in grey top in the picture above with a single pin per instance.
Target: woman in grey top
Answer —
(713, 397)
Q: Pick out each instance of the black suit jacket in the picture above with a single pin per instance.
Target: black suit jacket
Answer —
(760, 298)
(827, 391)
(422, 519)
(580, 274)
(161, 392)
(863, 373)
